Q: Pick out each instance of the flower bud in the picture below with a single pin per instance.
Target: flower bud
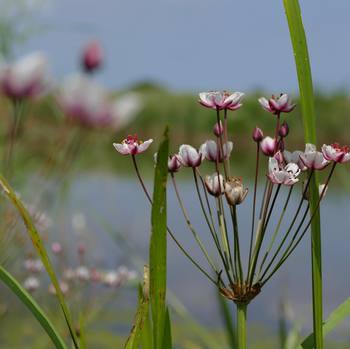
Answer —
(258, 135)
(214, 185)
(268, 146)
(218, 129)
(284, 130)
(234, 191)
(92, 56)
(174, 163)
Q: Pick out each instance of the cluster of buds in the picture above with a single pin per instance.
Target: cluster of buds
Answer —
(285, 169)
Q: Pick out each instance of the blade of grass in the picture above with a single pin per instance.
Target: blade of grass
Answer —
(34, 308)
(335, 319)
(167, 340)
(158, 244)
(228, 322)
(302, 61)
(141, 315)
(39, 246)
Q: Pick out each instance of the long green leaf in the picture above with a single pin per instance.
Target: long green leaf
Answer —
(335, 319)
(302, 61)
(31, 304)
(167, 339)
(141, 315)
(39, 246)
(158, 245)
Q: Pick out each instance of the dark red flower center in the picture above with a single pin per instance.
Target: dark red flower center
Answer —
(340, 149)
(132, 139)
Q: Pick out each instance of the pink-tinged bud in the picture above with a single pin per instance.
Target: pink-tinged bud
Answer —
(212, 152)
(284, 130)
(277, 105)
(336, 153)
(174, 163)
(279, 157)
(218, 129)
(234, 191)
(92, 56)
(258, 135)
(56, 248)
(189, 156)
(313, 159)
(214, 184)
(268, 146)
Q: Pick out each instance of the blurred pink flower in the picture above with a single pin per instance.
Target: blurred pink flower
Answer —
(312, 158)
(31, 284)
(277, 105)
(189, 156)
(92, 56)
(56, 248)
(26, 78)
(336, 153)
(131, 145)
(221, 100)
(63, 286)
(286, 176)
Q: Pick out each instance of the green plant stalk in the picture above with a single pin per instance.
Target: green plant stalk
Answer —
(241, 326)
(301, 55)
(31, 304)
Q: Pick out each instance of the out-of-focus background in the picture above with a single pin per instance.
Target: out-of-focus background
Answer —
(154, 57)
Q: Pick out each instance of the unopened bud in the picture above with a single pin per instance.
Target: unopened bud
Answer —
(258, 135)
(284, 130)
(214, 184)
(92, 56)
(218, 129)
(234, 191)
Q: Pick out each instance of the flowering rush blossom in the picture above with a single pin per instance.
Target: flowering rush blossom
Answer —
(215, 184)
(221, 100)
(212, 152)
(336, 153)
(26, 78)
(92, 56)
(189, 156)
(268, 146)
(294, 157)
(286, 176)
(312, 158)
(131, 145)
(277, 105)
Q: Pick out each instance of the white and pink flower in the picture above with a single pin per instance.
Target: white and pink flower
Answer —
(294, 157)
(286, 176)
(277, 105)
(221, 100)
(336, 153)
(189, 156)
(26, 78)
(268, 146)
(131, 145)
(312, 158)
(212, 152)
(215, 184)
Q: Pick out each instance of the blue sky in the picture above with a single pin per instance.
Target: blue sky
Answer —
(199, 44)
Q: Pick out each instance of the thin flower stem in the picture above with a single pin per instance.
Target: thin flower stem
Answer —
(291, 224)
(215, 282)
(221, 145)
(286, 255)
(276, 230)
(272, 207)
(254, 204)
(226, 141)
(278, 116)
(190, 226)
(241, 326)
(236, 236)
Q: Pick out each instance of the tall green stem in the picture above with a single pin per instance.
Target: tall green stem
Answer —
(241, 326)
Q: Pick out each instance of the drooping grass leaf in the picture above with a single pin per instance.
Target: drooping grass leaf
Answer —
(334, 319)
(34, 308)
(302, 61)
(167, 339)
(158, 245)
(141, 315)
(40, 248)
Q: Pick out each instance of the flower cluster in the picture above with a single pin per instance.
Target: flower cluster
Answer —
(284, 169)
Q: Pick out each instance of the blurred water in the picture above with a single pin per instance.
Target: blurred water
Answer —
(120, 203)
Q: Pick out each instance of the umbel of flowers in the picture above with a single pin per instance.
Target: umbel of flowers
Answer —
(239, 277)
